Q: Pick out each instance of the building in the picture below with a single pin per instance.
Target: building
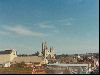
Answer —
(5, 64)
(46, 52)
(6, 57)
(30, 61)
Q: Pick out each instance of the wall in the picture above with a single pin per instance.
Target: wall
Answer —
(4, 57)
(7, 64)
(13, 55)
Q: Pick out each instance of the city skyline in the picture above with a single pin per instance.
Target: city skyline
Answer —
(70, 26)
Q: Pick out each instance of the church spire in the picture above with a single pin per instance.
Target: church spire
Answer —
(45, 46)
(42, 46)
(50, 49)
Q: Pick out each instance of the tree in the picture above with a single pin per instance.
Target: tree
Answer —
(37, 53)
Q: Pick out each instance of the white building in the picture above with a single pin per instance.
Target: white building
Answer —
(47, 52)
(34, 60)
(6, 57)
(5, 64)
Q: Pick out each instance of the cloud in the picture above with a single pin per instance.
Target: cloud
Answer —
(53, 24)
(4, 33)
(22, 31)
(67, 19)
(46, 24)
(55, 31)
(68, 24)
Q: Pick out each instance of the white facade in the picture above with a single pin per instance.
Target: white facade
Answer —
(47, 52)
(13, 55)
(7, 56)
(45, 61)
(5, 64)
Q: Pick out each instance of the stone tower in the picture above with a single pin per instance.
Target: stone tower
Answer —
(52, 52)
(45, 46)
(42, 48)
(46, 52)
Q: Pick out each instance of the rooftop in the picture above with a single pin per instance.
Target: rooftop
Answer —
(6, 52)
(27, 59)
(65, 65)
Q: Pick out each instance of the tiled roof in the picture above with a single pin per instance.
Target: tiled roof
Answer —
(4, 62)
(27, 59)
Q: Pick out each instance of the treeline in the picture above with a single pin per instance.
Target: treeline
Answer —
(96, 55)
(62, 55)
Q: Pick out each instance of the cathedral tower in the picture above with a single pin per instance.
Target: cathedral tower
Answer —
(45, 46)
(42, 48)
(47, 52)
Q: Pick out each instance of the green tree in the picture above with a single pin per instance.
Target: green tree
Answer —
(37, 53)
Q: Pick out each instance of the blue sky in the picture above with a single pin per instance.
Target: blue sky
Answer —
(70, 26)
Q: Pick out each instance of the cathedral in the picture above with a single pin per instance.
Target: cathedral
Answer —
(47, 53)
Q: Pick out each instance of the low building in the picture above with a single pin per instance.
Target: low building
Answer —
(30, 60)
(6, 57)
(5, 64)
(68, 59)
(46, 52)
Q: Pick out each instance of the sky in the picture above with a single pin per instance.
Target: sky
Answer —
(70, 26)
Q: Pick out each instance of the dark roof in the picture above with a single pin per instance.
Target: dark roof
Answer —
(6, 52)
